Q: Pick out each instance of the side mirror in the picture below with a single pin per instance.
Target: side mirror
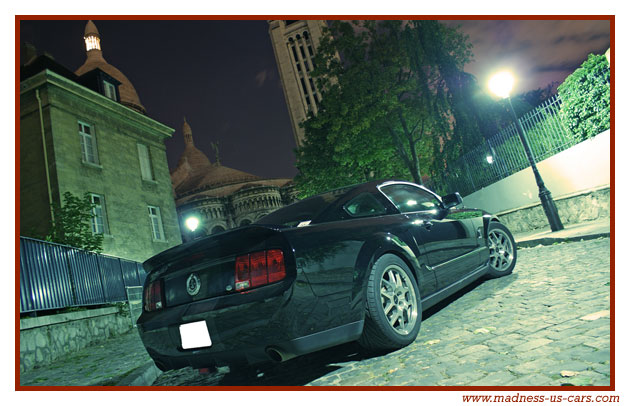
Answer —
(452, 200)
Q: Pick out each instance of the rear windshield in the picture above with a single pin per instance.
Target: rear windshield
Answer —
(303, 211)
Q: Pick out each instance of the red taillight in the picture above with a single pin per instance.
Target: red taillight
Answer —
(275, 265)
(241, 273)
(259, 268)
(153, 296)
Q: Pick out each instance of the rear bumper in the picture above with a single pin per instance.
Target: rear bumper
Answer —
(262, 325)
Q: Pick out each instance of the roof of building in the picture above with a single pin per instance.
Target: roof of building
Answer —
(95, 59)
(195, 172)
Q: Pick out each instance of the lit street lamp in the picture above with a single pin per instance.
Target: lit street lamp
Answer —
(501, 85)
(192, 223)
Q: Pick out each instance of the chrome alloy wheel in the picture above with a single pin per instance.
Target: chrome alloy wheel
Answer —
(501, 250)
(398, 299)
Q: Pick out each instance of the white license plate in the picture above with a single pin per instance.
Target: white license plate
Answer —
(195, 335)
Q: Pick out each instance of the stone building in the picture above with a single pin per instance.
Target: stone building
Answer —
(294, 44)
(87, 131)
(220, 197)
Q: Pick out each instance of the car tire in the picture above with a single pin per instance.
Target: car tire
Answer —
(502, 250)
(393, 306)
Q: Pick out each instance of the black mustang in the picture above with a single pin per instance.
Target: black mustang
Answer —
(358, 263)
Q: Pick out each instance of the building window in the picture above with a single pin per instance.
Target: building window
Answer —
(92, 42)
(295, 56)
(303, 86)
(88, 143)
(217, 229)
(156, 223)
(99, 217)
(145, 162)
(110, 90)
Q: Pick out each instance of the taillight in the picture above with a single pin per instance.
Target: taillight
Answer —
(275, 265)
(258, 269)
(153, 296)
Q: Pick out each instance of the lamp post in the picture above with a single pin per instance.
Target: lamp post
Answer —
(501, 85)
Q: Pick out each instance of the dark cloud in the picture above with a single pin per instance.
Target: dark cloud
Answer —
(538, 51)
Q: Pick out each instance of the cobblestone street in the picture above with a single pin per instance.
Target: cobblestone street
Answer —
(546, 324)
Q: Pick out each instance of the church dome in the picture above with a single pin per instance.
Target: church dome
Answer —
(195, 172)
(128, 95)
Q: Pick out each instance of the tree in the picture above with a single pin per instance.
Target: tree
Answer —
(536, 97)
(585, 98)
(72, 224)
(385, 106)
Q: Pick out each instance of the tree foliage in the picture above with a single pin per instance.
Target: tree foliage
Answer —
(388, 94)
(585, 98)
(72, 224)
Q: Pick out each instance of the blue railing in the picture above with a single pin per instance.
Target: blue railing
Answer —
(54, 276)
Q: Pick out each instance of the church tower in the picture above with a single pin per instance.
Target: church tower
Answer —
(294, 44)
(94, 59)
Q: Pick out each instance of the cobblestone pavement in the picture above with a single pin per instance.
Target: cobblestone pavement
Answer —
(546, 324)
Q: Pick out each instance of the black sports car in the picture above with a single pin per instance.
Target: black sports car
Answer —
(358, 263)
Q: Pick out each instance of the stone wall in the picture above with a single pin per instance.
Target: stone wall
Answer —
(583, 167)
(44, 339)
(589, 205)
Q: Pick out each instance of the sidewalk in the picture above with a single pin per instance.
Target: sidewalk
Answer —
(123, 361)
(574, 232)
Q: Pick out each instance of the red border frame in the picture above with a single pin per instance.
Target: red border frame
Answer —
(611, 18)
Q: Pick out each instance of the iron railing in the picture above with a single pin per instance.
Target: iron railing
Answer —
(546, 136)
(54, 276)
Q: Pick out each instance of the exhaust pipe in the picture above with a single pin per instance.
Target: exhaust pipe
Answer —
(278, 355)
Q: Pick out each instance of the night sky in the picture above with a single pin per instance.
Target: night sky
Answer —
(222, 75)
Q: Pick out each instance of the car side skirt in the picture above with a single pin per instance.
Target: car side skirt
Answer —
(316, 341)
(443, 293)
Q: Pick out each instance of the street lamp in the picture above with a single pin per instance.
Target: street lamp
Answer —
(501, 85)
(192, 223)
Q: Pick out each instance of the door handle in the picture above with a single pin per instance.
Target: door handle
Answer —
(427, 224)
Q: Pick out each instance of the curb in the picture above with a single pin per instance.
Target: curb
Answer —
(553, 240)
(144, 375)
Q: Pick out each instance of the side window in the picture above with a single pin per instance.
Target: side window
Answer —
(364, 205)
(110, 90)
(88, 143)
(409, 199)
(99, 216)
(156, 223)
(146, 169)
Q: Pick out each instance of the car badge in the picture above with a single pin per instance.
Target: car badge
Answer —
(193, 284)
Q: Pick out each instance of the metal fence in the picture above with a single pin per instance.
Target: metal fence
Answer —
(504, 155)
(54, 276)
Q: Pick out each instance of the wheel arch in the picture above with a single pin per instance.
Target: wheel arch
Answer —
(487, 220)
(375, 248)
